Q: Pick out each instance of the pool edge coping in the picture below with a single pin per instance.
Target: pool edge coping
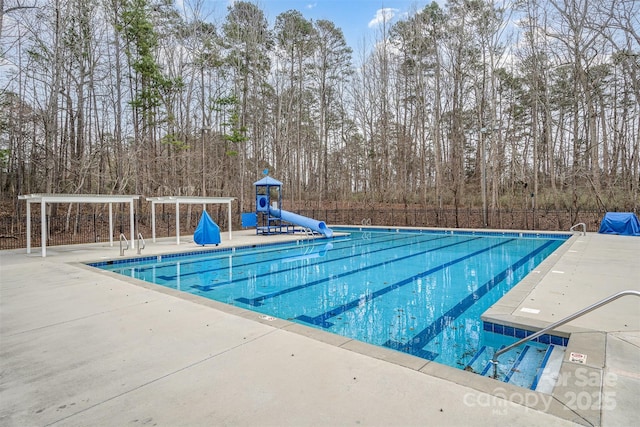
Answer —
(536, 400)
(502, 312)
(509, 392)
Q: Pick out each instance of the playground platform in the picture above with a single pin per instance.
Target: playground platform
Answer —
(79, 347)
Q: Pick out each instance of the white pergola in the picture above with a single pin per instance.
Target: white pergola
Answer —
(43, 199)
(185, 200)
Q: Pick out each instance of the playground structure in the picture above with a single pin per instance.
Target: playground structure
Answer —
(270, 218)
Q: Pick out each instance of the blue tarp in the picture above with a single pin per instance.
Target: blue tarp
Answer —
(249, 219)
(207, 232)
(623, 223)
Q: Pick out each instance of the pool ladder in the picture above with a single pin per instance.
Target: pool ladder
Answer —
(580, 224)
(561, 322)
(308, 233)
(141, 244)
(123, 238)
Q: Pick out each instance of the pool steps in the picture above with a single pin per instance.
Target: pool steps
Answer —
(534, 366)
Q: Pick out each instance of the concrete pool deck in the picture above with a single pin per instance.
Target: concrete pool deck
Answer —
(79, 346)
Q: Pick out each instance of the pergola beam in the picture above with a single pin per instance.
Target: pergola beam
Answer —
(186, 200)
(43, 199)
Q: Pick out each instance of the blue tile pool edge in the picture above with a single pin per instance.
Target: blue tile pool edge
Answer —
(133, 260)
(525, 234)
(405, 360)
(509, 331)
(494, 320)
(487, 326)
(519, 333)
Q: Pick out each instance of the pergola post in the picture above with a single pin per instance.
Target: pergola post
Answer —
(45, 199)
(153, 221)
(28, 227)
(110, 224)
(43, 226)
(178, 200)
(132, 226)
(177, 222)
(229, 214)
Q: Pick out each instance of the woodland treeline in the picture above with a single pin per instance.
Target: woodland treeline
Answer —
(530, 104)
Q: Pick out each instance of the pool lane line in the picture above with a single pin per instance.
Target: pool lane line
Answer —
(543, 365)
(188, 258)
(294, 267)
(141, 269)
(169, 278)
(321, 319)
(173, 260)
(416, 344)
(258, 300)
(514, 367)
(476, 357)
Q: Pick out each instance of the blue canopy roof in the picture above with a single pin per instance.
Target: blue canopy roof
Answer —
(267, 180)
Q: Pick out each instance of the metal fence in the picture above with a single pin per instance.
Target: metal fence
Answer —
(462, 218)
(90, 228)
(93, 228)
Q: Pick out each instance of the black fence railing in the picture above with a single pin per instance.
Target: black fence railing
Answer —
(462, 218)
(91, 228)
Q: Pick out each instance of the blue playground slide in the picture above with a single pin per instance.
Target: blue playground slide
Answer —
(302, 221)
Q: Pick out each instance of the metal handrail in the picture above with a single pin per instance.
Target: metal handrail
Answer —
(141, 243)
(309, 233)
(584, 227)
(561, 322)
(123, 237)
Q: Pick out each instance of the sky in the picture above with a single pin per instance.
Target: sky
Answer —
(358, 19)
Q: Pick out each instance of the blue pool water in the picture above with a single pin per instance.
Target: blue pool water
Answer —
(418, 292)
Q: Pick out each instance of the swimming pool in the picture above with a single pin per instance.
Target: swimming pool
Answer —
(417, 291)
